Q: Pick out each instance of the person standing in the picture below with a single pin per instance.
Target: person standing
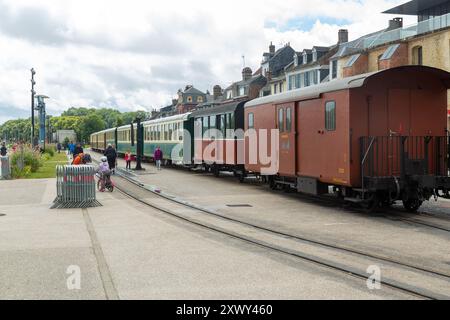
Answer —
(111, 155)
(78, 150)
(158, 157)
(71, 147)
(128, 160)
(3, 150)
(59, 147)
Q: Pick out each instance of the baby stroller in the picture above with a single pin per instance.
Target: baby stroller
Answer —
(104, 181)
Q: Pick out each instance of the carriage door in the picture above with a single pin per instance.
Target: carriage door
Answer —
(399, 109)
(287, 144)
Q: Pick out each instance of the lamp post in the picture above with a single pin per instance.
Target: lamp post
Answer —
(42, 117)
(33, 93)
(139, 142)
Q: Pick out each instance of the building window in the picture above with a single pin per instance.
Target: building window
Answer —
(189, 99)
(298, 81)
(229, 94)
(251, 121)
(291, 82)
(307, 79)
(314, 55)
(275, 88)
(281, 87)
(288, 119)
(315, 76)
(417, 55)
(330, 116)
(281, 120)
(242, 91)
(200, 99)
(334, 65)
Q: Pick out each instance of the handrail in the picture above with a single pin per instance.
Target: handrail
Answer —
(362, 165)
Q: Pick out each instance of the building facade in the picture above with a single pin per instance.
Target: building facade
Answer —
(425, 43)
(248, 88)
(273, 69)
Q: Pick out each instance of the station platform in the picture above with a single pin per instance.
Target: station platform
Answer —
(125, 250)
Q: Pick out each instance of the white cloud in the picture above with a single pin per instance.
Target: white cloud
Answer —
(135, 54)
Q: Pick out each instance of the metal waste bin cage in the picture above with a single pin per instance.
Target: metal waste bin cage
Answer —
(5, 168)
(75, 187)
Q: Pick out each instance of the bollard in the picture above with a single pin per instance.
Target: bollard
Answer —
(5, 168)
(75, 187)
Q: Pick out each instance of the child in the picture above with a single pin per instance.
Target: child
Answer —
(128, 160)
(105, 173)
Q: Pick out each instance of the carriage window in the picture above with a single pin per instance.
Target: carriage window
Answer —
(232, 122)
(330, 116)
(223, 125)
(170, 131)
(281, 120)
(205, 125)
(212, 122)
(288, 119)
(251, 121)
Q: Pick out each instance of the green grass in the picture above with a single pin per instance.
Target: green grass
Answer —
(48, 170)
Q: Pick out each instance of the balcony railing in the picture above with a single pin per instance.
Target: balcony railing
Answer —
(423, 27)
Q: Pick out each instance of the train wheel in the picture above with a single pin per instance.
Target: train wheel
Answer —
(215, 170)
(412, 205)
(272, 183)
(370, 205)
(242, 177)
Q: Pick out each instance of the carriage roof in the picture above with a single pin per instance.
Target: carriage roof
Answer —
(314, 92)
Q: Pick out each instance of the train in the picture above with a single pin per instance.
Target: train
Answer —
(372, 139)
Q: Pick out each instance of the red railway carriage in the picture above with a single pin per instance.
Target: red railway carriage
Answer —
(216, 144)
(376, 138)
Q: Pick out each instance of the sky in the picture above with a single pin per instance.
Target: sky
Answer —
(135, 55)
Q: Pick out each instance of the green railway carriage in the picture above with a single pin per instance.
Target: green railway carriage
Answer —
(171, 134)
(126, 139)
(168, 134)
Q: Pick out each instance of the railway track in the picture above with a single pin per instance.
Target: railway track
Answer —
(332, 256)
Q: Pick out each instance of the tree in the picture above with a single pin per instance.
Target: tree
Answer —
(110, 116)
(88, 125)
(77, 112)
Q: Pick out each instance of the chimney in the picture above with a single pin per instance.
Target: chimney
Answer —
(272, 48)
(395, 23)
(343, 36)
(246, 73)
(217, 92)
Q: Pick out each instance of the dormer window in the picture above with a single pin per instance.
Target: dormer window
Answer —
(229, 94)
(305, 58)
(314, 55)
(296, 58)
(242, 91)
